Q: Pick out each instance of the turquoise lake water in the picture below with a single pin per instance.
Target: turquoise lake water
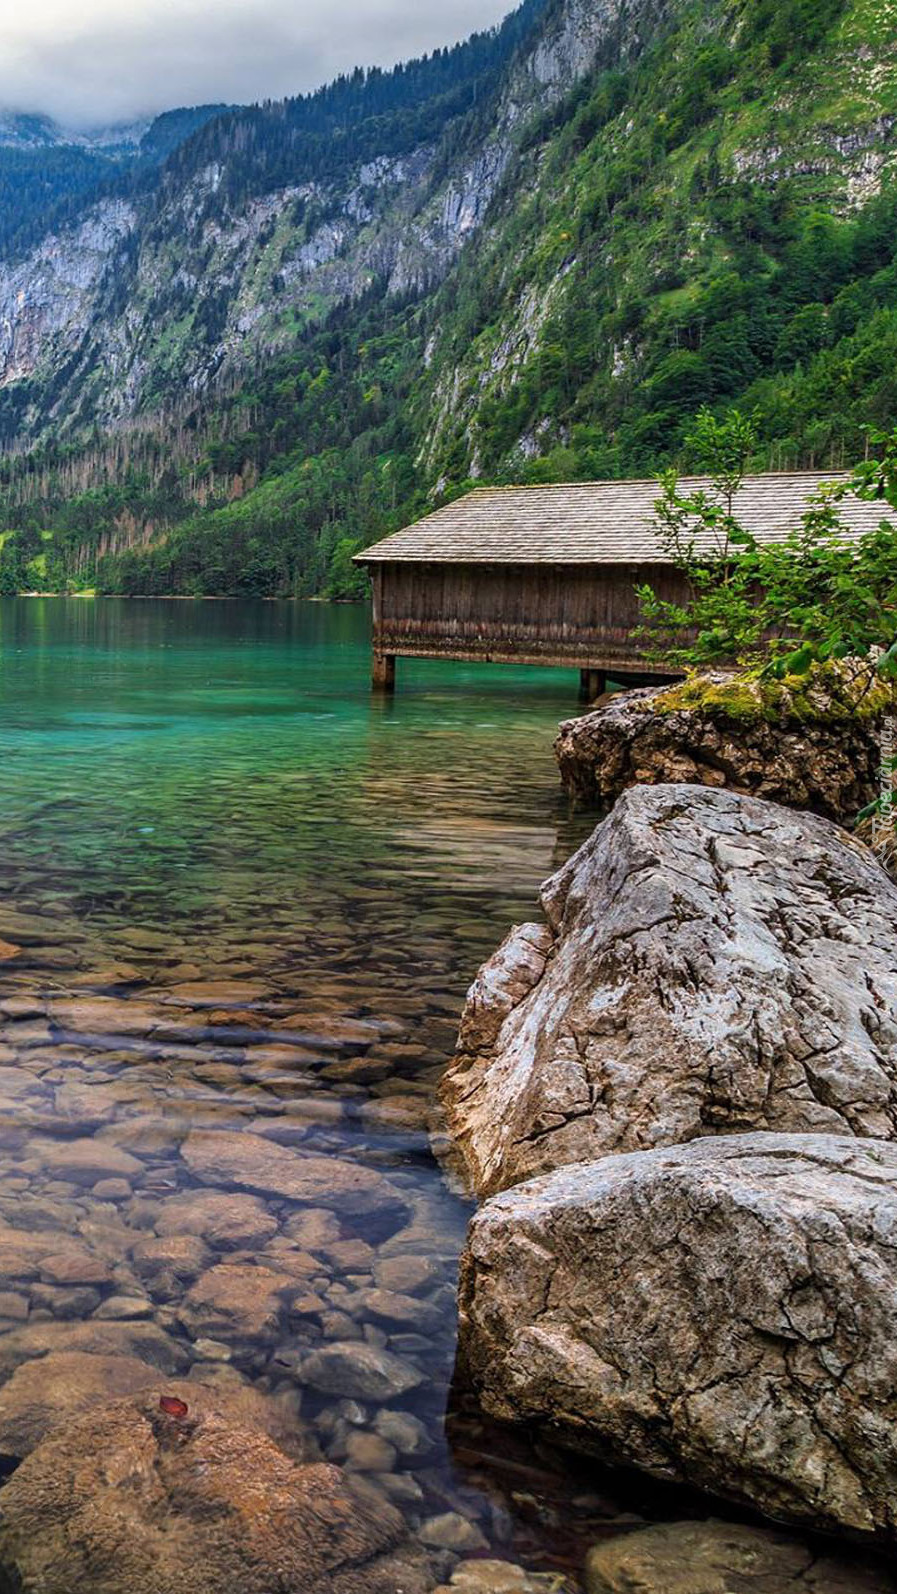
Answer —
(239, 894)
(207, 755)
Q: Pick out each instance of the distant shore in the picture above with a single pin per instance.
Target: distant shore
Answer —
(184, 597)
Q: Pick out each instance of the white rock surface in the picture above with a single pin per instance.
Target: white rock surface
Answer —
(712, 963)
(722, 1313)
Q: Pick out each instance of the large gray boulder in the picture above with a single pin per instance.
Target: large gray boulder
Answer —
(723, 1314)
(711, 964)
(812, 743)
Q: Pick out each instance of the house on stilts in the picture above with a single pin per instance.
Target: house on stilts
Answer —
(547, 575)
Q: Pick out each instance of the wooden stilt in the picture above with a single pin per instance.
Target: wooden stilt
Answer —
(383, 674)
(591, 685)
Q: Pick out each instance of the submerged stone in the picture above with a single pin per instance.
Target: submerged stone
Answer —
(13, 1306)
(491, 1577)
(209, 993)
(112, 1190)
(235, 1300)
(452, 1531)
(226, 1220)
(120, 1308)
(86, 1161)
(67, 1301)
(225, 1157)
(360, 1371)
(74, 1266)
(408, 1275)
(369, 1452)
(169, 1263)
(21, 1254)
(404, 1311)
(726, 1558)
(313, 1229)
(147, 1341)
(407, 1433)
(101, 1017)
(195, 1500)
(43, 1393)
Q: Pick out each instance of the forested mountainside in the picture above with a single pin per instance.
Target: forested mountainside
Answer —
(531, 257)
(49, 176)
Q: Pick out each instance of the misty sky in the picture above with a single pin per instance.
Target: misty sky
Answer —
(92, 62)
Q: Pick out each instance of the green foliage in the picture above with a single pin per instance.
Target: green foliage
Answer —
(816, 597)
(335, 460)
(664, 278)
(823, 694)
(789, 30)
(23, 562)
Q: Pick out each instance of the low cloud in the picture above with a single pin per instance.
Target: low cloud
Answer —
(92, 63)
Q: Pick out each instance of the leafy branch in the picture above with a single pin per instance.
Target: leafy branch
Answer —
(818, 595)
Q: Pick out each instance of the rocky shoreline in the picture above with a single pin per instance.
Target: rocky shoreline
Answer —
(710, 964)
(720, 1314)
(676, 1099)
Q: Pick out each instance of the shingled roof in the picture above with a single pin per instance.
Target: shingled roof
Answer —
(599, 522)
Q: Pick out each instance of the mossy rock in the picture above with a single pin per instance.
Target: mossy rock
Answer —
(834, 691)
(812, 742)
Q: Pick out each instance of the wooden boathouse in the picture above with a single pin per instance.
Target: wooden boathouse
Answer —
(547, 575)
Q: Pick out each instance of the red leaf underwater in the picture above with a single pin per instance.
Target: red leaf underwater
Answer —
(173, 1407)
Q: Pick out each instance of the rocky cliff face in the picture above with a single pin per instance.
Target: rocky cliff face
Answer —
(549, 225)
(205, 279)
(827, 131)
(47, 301)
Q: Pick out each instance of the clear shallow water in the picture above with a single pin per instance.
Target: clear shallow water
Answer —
(248, 898)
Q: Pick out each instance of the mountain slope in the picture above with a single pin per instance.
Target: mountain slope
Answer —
(259, 221)
(50, 175)
(697, 228)
(534, 258)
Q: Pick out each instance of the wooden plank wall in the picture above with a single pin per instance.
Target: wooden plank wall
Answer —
(550, 613)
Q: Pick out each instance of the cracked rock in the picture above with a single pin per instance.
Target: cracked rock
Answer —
(712, 964)
(722, 1314)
